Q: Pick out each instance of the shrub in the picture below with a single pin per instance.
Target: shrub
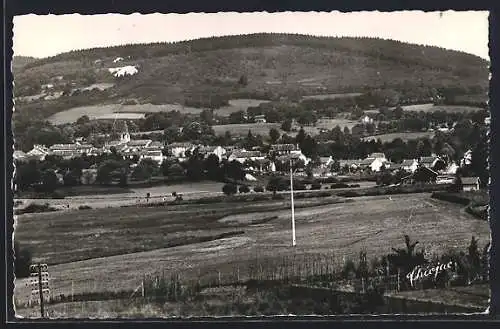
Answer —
(316, 186)
(244, 189)
(258, 189)
(35, 208)
(339, 185)
(84, 207)
(229, 189)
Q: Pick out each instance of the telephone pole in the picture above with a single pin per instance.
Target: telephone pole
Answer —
(294, 242)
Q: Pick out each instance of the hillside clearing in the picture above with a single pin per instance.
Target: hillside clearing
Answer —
(446, 108)
(387, 138)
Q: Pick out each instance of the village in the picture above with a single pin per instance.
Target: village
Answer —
(274, 160)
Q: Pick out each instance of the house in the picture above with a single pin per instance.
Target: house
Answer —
(445, 179)
(179, 150)
(467, 159)
(39, 152)
(325, 162)
(219, 151)
(284, 149)
(470, 183)
(451, 169)
(350, 165)
(375, 164)
(153, 154)
(137, 144)
(69, 151)
(422, 174)
(409, 165)
(366, 120)
(19, 156)
(260, 118)
(242, 155)
(293, 157)
(432, 162)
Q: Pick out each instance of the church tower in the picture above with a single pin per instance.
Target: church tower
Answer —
(125, 137)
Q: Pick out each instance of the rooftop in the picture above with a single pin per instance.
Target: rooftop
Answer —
(470, 180)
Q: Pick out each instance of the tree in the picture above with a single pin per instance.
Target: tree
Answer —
(244, 189)
(212, 167)
(407, 258)
(286, 125)
(243, 81)
(274, 134)
(22, 260)
(49, 181)
(398, 112)
(27, 174)
(229, 189)
(277, 184)
(145, 169)
(194, 167)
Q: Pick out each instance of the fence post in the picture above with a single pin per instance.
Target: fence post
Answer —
(399, 284)
(142, 288)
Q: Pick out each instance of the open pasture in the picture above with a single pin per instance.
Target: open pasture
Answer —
(236, 105)
(446, 108)
(332, 96)
(243, 128)
(385, 138)
(332, 123)
(141, 239)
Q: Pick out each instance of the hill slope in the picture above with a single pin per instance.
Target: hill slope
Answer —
(212, 70)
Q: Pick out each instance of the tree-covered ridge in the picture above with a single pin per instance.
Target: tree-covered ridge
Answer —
(410, 54)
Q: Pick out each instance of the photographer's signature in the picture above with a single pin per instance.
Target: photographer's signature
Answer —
(419, 272)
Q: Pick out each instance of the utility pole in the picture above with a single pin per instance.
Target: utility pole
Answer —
(40, 288)
(294, 242)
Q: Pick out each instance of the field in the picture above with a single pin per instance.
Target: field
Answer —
(243, 128)
(404, 136)
(126, 243)
(447, 108)
(332, 96)
(332, 123)
(236, 105)
(134, 112)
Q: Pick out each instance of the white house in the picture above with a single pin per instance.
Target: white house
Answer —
(375, 164)
(366, 120)
(467, 159)
(260, 118)
(243, 155)
(179, 150)
(445, 179)
(219, 151)
(39, 152)
(470, 183)
(431, 162)
(325, 162)
(153, 154)
(409, 165)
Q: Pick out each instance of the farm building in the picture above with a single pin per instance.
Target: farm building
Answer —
(409, 165)
(219, 151)
(260, 118)
(242, 155)
(39, 152)
(445, 179)
(432, 162)
(283, 149)
(470, 183)
(373, 163)
(179, 150)
(325, 162)
(68, 151)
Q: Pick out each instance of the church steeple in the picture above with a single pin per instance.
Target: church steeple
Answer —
(125, 137)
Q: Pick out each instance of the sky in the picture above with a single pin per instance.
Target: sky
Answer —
(48, 35)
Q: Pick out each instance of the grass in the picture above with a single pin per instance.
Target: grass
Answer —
(332, 96)
(404, 136)
(236, 105)
(447, 108)
(368, 223)
(243, 128)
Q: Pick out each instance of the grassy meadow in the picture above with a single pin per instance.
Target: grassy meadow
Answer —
(112, 249)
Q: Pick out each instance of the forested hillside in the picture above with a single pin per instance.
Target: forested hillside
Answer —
(207, 72)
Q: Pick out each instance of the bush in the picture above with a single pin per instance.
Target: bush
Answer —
(339, 185)
(35, 208)
(229, 189)
(244, 189)
(84, 207)
(258, 189)
(316, 186)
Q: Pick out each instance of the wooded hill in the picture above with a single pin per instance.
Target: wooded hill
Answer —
(209, 71)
